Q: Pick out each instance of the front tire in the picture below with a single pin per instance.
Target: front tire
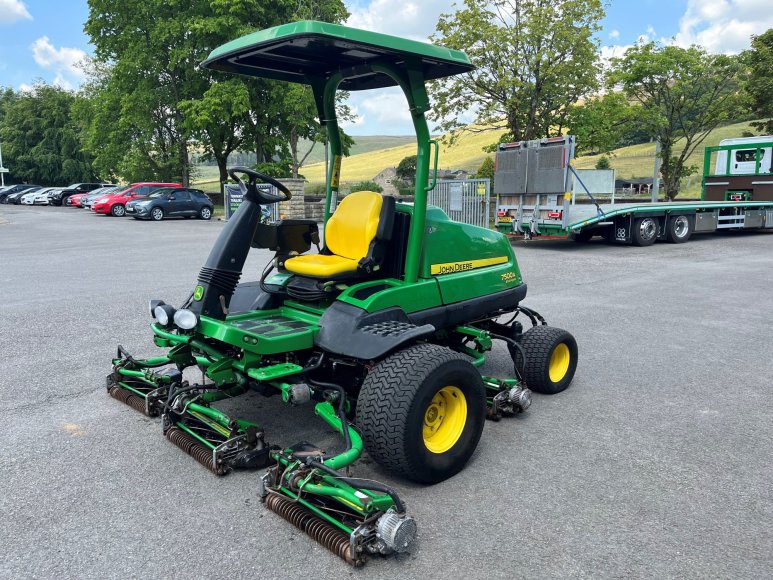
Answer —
(157, 214)
(550, 359)
(421, 412)
(118, 210)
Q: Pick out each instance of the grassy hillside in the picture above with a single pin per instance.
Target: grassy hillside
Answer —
(372, 154)
(467, 153)
(639, 160)
(208, 174)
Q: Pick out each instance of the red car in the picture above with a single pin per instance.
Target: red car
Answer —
(115, 202)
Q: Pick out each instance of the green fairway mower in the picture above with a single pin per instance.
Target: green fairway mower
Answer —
(382, 330)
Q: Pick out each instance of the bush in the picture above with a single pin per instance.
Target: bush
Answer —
(486, 169)
(366, 186)
(603, 163)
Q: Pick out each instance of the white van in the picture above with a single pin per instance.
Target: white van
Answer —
(744, 161)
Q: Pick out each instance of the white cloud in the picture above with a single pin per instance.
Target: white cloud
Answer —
(387, 106)
(414, 19)
(12, 11)
(614, 35)
(25, 88)
(63, 61)
(723, 26)
(57, 59)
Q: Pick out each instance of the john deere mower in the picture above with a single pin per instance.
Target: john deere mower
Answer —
(382, 329)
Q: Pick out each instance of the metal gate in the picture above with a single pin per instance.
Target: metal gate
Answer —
(464, 200)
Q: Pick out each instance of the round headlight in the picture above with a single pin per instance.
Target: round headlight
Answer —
(164, 314)
(185, 319)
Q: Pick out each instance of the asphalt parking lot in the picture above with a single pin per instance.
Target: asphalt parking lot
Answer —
(657, 462)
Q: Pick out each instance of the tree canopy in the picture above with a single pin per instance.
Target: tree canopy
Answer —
(682, 95)
(759, 85)
(160, 103)
(41, 139)
(534, 59)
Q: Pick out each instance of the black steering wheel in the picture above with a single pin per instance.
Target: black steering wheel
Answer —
(251, 186)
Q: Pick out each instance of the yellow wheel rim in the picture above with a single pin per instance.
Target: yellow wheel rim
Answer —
(559, 363)
(444, 419)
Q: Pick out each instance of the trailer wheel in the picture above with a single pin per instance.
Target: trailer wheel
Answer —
(645, 231)
(421, 412)
(550, 359)
(679, 229)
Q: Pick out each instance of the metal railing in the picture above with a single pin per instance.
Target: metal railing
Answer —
(464, 200)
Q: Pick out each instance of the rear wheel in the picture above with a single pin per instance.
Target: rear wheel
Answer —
(645, 231)
(679, 229)
(157, 214)
(118, 210)
(205, 213)
(550, 359)
(421, 412)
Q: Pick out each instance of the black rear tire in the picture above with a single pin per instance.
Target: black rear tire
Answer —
(551, 359)
(679, 229)
(645, 231)
(404, 396)
(205, 213)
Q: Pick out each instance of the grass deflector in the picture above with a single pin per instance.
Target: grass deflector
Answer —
(382, 329)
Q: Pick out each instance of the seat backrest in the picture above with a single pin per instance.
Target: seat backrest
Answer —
(353, 226)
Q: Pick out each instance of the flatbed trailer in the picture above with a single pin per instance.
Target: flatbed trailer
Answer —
(541, 211)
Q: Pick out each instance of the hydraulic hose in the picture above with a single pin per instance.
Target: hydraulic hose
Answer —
(363, 483)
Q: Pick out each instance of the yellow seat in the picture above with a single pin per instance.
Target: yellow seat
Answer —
(349, 233)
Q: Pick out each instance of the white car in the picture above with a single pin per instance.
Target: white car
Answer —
(42, 196)
(29, 198)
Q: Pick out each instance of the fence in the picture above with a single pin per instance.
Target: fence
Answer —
(464, 200)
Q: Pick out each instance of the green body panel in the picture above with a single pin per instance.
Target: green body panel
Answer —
(275, 331)
(467, 247)
(410, 297)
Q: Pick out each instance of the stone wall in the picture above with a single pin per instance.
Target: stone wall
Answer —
(296, 207)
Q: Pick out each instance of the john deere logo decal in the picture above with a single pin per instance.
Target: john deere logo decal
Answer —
(198, 293)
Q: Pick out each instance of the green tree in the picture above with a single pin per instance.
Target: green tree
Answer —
(759, 85)
(41, 140)
(162, 100)
(486, 169)
(601, 123)
(406, 169)
(683, 95)
(603, 163)
(534, 59)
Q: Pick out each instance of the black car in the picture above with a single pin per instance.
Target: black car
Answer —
(15, 189)
(60, 197)
(171, 202)
(15, 198)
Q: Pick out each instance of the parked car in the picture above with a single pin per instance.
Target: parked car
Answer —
(44, 197)
(15, 198)
(60, 198)
(28, 197)
(115, 203)
(82, 199)
(171, 202)
(14, 189)
(101, 192)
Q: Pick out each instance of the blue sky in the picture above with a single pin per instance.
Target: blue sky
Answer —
(44, 39)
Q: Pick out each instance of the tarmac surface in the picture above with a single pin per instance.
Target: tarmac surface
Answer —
(656, 462)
